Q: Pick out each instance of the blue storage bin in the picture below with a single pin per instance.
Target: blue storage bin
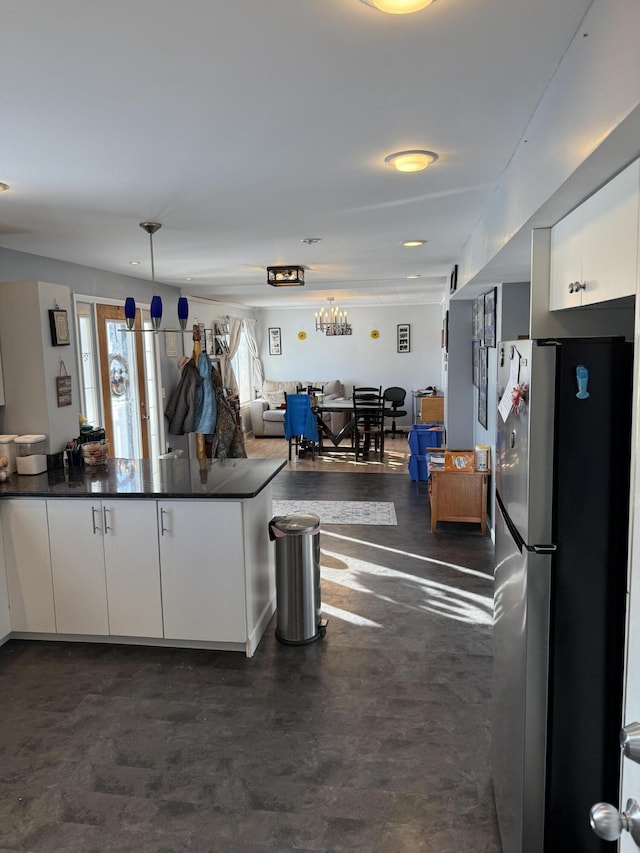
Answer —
(423, 436)
(418, 467)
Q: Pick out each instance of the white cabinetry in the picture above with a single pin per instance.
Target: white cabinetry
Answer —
(77, 564)
(202, 566)
(132, 564)
(5, 622)
(105, 566)
(1, 383)
(28, 565)
(594, 249)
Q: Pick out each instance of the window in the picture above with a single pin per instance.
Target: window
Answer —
(242, 367)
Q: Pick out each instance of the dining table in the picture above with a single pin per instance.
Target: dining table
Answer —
(336, 439)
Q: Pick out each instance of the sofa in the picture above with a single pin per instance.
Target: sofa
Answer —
(267, 412)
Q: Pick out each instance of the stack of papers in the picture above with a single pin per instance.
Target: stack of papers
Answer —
(436, 460)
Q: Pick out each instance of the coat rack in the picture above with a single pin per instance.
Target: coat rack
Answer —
(197, 349)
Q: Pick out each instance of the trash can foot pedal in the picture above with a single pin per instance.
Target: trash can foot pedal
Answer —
(322, 627)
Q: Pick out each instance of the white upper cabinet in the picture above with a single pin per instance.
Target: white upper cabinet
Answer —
(594, 250)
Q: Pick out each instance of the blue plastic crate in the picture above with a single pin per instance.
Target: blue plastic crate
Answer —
(423, 436)
(418, 467)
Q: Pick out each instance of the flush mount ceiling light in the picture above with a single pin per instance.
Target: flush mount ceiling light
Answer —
(398, 7)
(411, 161)
(410, 243)
(285, 276)
(3, 187)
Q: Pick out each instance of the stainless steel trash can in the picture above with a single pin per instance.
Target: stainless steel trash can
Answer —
(297, 538)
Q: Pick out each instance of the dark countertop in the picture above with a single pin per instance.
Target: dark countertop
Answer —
(149, 478)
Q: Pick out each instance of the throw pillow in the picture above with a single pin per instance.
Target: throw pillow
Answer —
(275, 399)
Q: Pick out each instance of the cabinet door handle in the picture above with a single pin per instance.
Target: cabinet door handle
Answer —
(96, 528)
(107, 528)
(163, 529)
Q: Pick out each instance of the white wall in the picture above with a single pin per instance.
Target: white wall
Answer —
(358, 358)
(588, 116)
(31, 363)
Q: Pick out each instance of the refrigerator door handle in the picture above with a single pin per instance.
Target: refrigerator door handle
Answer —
(513, 530)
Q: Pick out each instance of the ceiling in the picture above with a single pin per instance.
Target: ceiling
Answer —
(246, 126)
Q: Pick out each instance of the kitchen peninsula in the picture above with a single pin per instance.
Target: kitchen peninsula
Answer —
(155, 552)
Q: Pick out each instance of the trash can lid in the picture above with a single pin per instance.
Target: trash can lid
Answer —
(303, 522)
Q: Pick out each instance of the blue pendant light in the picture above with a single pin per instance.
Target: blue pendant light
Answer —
(183, 312)
(156, 301)
(130, 311)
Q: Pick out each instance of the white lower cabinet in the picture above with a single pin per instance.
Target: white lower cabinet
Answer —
(186, 570)
(202, 568)
(5, 621)
(106, 574)
(77, 565)
(28, 565)
(132, 565)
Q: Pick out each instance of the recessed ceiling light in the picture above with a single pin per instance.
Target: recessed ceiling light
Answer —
(3, 187)
(409, 243)
(398, 7)
(189, 278)
(411, 161)
(135, 263)
(413, 276)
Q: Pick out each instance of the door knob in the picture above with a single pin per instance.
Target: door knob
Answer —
(608, 823)
(630, 741)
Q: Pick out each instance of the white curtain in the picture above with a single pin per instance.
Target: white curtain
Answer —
(228, 376)
(257, 373)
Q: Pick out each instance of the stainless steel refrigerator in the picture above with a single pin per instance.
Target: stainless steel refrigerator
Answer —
(562, 482)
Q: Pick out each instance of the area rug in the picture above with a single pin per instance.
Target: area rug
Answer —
(342, 512)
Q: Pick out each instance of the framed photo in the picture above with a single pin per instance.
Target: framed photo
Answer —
(475, 352)
(478, 318)
(489, 335)
(275, 347)
(59, 328)
(482, 388)
(453, 279)
(404, 337)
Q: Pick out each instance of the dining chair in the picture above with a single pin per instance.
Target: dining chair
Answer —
(300, 426)
(368, 418)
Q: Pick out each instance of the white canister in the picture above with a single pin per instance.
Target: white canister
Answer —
(31, 454)
(8, 449)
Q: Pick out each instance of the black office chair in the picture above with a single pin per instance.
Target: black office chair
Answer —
(395, 396)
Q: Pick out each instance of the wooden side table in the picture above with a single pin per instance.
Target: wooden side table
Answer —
(458, 496)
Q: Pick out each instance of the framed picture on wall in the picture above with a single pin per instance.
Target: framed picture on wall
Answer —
(482, 389)
(478, 318)
(475, 352)
(453, 279)
(59, 328)
(404, 337)
(275, 347)
(489, 335)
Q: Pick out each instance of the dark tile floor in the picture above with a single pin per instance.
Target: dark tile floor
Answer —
(374, 739)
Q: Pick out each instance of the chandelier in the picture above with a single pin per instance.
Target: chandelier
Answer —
(333, 321)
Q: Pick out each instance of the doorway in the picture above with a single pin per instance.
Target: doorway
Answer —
(121, 357)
